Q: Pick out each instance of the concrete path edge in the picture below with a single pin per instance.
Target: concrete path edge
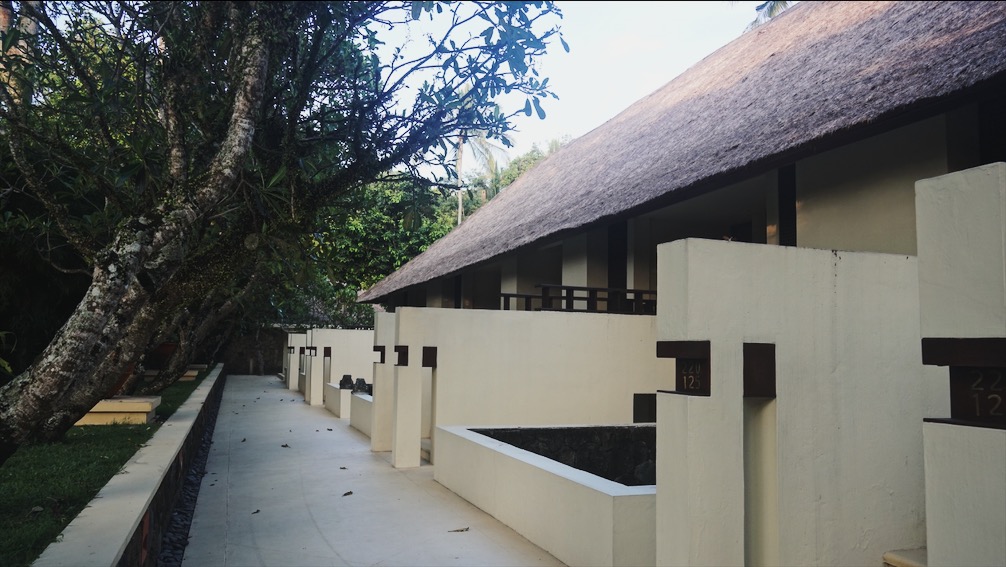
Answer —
(120, 522)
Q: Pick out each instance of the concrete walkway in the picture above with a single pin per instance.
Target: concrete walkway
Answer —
(289, 484)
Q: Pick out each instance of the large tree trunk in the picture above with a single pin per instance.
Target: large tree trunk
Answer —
(50, 392)
(63, 385)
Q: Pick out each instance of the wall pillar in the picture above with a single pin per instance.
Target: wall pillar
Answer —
(585, 259)
(407, 413)
(298, 341)
(384, 382)
(961, 227)
(820, 465)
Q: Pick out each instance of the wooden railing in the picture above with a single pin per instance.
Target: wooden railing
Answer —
(555, 297)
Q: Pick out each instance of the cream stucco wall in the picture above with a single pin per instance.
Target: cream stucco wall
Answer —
(361, 415)
(337, 400)
(962, 253)
(535, 368)
(962, 289)
(580, 518)
(383, 398)
(313, 366)
(352, 353)
(965, 495)
(868, 206)
(516, 367)
(296, 340)
(851, 390)
(407, 415)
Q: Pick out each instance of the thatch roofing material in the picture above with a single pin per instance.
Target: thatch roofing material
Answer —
(816, 74)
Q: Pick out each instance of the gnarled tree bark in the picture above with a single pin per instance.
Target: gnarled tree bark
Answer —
(62, 385)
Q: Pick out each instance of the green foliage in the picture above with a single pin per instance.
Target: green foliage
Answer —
(310, 299)
(373, 232)
(768, 10)
(35, 297)
(486, 186)
(112, 117)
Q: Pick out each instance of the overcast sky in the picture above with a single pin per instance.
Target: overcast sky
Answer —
(619, 53)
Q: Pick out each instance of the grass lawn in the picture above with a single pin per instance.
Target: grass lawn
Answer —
(43, 487)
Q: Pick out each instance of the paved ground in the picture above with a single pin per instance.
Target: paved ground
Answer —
(288, 484)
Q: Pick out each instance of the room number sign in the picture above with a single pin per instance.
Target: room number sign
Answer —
(692, 376)
(978, 394)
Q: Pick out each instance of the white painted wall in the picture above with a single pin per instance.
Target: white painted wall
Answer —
(850, 395)
(965, 495)
(962, 253)
(580, 518)
(296, 340)
(871, 206)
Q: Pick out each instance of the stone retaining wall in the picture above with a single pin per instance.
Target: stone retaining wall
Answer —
(625, 454)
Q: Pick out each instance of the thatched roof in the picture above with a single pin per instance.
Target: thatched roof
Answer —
(820, 74)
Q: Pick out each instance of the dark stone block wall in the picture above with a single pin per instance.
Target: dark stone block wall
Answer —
(256, 353)
(626, 454)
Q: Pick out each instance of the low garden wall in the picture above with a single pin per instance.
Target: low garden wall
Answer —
(124, 524)
(580, 518)
(361, 412)
(626, 454)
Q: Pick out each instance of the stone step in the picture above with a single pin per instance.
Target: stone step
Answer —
(906, 558)
(122, 409)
